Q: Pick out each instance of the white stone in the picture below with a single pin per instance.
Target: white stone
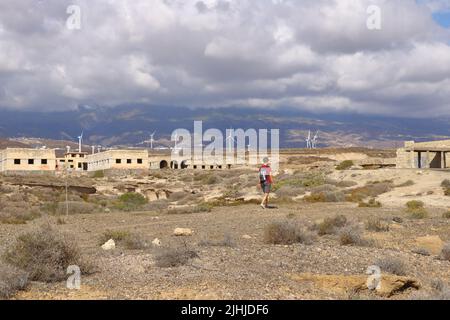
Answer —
(109, 245)
(179, 232)
(246, 236)
(156, 242)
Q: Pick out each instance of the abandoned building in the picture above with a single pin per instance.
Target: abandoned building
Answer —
(72, 160)
(27, 160)
(423, 155)
(118, 160)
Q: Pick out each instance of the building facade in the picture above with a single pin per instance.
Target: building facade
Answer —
(27, 160)
(118, 160)
(424, 155)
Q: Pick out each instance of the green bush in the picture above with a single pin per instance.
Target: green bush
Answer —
(345, 165)
(414, 205)
(131, 201)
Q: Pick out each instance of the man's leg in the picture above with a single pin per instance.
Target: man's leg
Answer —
(267, 199)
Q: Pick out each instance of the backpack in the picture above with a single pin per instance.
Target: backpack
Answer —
(263, 173)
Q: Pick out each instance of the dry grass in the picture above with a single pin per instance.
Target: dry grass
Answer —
(408, 183)
(372, 190)
(130, 240)
(377, 225)
(286, 233)
(392, 265)
(12, 280)
(372, 203)
(446, 215)
(45, 254)
(227, 241)
(416, 209)
(168, 257)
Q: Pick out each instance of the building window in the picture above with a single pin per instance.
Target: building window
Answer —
(79, 165)
(16, 161)
(70, 160)
(139, 161)
(30, 161)
(118, 161)
(43, 161)
(63, 161)
(81, 155)
(128, 161)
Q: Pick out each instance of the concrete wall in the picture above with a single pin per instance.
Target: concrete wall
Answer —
(26, 160)
(118, 160)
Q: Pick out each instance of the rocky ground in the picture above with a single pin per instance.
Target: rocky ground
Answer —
(231, 253)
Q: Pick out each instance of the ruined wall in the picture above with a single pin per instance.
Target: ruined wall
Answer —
(26, 160)
(118, 160)
(403, 160)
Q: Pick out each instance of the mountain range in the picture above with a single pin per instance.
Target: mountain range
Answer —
(131, 125)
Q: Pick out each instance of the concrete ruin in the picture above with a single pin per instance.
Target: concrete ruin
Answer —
(423, 155)
(23, 160)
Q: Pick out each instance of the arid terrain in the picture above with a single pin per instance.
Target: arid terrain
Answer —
(331, 220)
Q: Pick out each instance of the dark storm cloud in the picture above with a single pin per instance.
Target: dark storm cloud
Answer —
(311, 54)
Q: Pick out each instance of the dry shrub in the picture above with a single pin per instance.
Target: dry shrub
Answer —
(408, 183)
(135, 241)
(377, 225)
(116, 235)
(326, 196)
(227, 241)
(446, 215)
(13, 215)
(130, 240)
(45, 255)
(370, 190)
(76, 207)
(168, 257)
(157, 205)
(330, 225)
(202, 207)
(392, 265)
(445, 184)
(445, 253)
(11, 280)
(372, 203)
(286, 233)
(439, 291)
(351, 236)
(414, 205)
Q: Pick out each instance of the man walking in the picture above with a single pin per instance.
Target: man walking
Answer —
(265, 181)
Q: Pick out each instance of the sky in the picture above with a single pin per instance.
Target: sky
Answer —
(314, 55)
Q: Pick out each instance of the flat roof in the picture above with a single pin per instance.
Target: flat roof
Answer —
(425, 149)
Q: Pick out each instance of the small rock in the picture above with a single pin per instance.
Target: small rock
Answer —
(109, 245)
(246, 236)
(107, 210)
(183, 232)
(156, 242)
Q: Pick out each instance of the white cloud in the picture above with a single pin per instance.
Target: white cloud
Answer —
(311, 54)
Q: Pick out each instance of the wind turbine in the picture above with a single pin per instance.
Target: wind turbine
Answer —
(308, 140)
(230, 145)
(314, 141)
(80, 140)
(152, 140)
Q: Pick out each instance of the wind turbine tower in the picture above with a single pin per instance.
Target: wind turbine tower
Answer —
(314, 141)
(308, 140)
(80, 141)
(230, 140)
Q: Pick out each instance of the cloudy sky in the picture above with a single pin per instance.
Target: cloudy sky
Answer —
(308, 54)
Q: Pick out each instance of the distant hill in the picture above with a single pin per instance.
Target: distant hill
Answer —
(132, 125)
(6, 143)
